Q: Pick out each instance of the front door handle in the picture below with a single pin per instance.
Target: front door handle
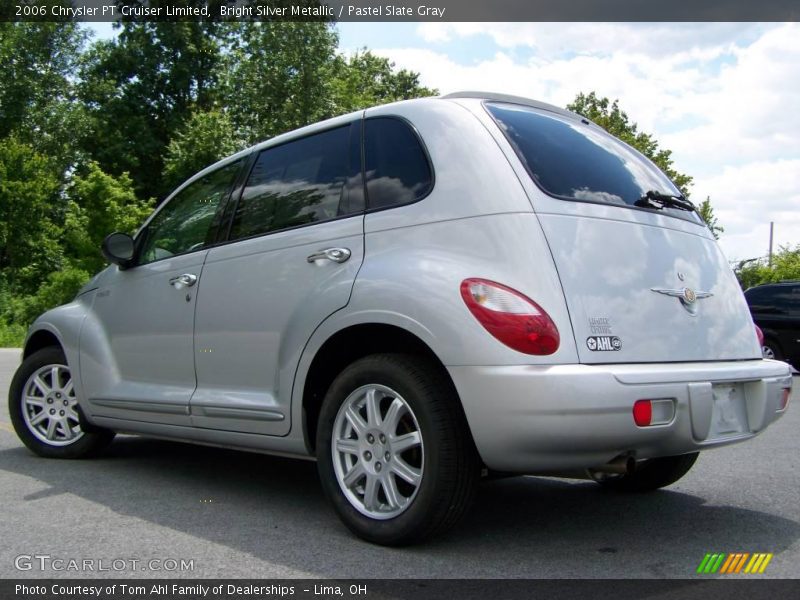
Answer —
(183, 281)
(338, 255)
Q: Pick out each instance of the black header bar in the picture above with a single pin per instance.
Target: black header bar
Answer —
(396, 589)
(402, 10)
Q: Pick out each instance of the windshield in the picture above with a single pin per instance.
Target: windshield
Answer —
(571, 159)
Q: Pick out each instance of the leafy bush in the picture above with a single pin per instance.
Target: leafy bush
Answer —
(785, 266)
(11, 335)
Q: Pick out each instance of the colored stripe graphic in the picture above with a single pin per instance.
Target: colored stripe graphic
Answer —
(727, 564)
(753, 563)
(734, 563)
(741, 562)
(715, 563)
(765, 563)
(703, 563)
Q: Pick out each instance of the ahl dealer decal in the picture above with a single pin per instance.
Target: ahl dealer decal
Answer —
(603, 343)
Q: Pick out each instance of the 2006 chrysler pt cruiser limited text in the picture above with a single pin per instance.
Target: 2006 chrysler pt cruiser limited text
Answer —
(416, 295)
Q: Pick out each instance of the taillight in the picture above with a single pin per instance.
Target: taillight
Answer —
(660, 411)
(759, 335)
(642, 413)
(785, 393)
(511, 317)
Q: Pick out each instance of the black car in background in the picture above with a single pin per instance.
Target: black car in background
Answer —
(776, 310)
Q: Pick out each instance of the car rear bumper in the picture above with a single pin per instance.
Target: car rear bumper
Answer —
(531, 419)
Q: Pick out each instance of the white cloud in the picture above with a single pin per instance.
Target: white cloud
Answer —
(552, 39)
(747, 197)
(722, 97)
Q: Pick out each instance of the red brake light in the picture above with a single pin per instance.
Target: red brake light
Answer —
(511, 317)
(642, 412)
(759, 335)
(785, 393)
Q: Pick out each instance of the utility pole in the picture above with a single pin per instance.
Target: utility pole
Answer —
(771, 231)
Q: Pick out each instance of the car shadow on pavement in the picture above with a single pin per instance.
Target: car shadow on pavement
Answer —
(273, 509)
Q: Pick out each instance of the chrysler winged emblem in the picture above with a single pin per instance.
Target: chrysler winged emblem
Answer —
(687, 296)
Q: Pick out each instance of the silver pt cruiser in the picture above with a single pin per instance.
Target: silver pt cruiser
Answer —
(416, 295)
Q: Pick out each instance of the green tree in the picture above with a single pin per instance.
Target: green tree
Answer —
(785, 266)
(706, 211)
(204, 139)
(37, 96)
(29, 231)
(280, 77)
(97, 204)
(363, 80)
(142, 87)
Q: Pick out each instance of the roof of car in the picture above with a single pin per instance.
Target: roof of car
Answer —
(786, 282)
(491, 96)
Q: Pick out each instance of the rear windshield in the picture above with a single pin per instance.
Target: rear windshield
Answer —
(570, 159)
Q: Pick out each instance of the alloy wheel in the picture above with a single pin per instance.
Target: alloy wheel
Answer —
(378, 452)
(49, 406)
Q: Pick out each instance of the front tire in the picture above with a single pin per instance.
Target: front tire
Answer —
(44, 409)
(651, 474)
(394, 452)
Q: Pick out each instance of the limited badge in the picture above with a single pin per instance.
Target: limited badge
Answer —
(603, 343)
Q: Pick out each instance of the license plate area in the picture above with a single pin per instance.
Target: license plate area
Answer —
(728, 411)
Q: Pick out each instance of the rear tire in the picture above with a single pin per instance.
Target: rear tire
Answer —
(652, 474)
(45, 412)
(394, 453)
(770, 349)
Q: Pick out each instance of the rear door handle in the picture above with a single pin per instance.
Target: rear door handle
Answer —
(337, 255)
(182, 281)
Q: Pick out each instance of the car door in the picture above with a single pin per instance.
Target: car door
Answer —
(137, 359)
(784, 321)
(295, 246)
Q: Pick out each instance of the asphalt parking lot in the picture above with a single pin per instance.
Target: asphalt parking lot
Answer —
(246, 515)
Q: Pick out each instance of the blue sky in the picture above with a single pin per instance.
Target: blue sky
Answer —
(721, 96)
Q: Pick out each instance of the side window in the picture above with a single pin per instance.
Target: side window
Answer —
(396, 167)
(316, 178)
(757, 299)
(183, 225)
(783, 300)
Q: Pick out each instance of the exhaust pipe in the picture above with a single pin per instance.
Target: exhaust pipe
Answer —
(622, 465)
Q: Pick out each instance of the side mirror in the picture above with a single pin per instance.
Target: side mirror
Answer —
(118, 249)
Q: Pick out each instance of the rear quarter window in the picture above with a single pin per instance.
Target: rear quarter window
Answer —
(397, 170)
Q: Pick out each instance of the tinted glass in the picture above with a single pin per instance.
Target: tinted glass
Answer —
(570, 159)
(316, 178)
(184, 224)
(397, 169)
(785, 301)
(755, 295)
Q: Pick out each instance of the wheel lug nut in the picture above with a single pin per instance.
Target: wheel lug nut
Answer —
(383, 439)
(62, 413)
(65, 402)
(387, 456)
(49, 400)
(378, 466)
(367, 455)
(58, 395)
(52, 411)
(371, 438)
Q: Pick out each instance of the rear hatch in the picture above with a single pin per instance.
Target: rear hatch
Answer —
(643, 283)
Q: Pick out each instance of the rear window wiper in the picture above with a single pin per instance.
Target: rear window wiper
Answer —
(654, 199)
